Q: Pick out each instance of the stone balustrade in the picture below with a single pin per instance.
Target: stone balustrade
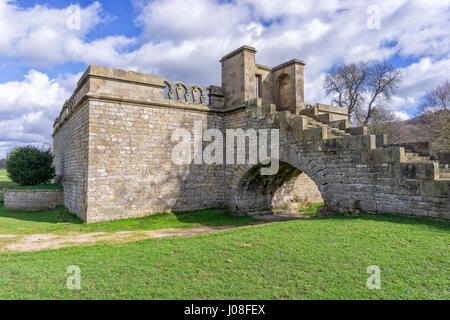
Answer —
(180, 92)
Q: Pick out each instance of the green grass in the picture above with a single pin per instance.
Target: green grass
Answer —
(44, 186)
(5, 184)
(311, 209)
(4, 176)
(61, 221)
(303, 259)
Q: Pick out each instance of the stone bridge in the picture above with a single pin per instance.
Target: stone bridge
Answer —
(353, 170)
(114, 137)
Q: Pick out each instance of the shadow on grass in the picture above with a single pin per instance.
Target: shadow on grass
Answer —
(393, 218)
(212, 217)
(215, 217)
(58, 215)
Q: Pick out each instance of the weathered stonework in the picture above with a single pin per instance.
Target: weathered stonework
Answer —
(112, 146)
(33, 200)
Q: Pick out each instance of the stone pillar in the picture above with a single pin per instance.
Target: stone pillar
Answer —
(216, 97)
(238, 76)
(292, 72)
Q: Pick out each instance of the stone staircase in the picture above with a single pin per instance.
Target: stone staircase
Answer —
(444, 172)
(306, 125)
(332, 132)
(415, 157)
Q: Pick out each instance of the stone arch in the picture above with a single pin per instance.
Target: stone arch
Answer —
(253, 194)
(181, 92)
(197, 94)
(168, 90)
(284, 92)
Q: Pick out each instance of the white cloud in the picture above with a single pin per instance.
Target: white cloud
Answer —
(41, 35)
(184, 40)
(29, 107)
(190, 19)
(402, 115)
(417, 79)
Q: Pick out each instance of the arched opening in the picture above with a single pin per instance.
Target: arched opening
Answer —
(288, 192)
(284, 95)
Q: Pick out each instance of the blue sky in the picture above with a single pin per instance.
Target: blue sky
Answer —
(44, 49)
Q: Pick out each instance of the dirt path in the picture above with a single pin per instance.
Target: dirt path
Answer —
(36, 242)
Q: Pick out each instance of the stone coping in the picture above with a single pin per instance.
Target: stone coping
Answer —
(239, 50)
(293, 61)
(32, 190)
(121, 75)
(332, 109)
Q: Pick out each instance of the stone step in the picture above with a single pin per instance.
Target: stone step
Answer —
(444, 176)
(311, 123)
(444, 170)
(414, 157)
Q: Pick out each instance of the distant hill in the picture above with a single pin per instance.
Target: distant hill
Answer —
(433, 127)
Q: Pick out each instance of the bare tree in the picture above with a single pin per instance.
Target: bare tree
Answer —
(346, 84)
(362, 88)
(383, 121)
(437, 99)
(435, 114)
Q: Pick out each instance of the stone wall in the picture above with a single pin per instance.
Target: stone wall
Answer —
(131, 173)
(33, 200)
(298, 190)
(70, 150)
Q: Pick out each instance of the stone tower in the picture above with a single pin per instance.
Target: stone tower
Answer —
(243, 79)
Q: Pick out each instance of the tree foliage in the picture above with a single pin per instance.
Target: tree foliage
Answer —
(30, 166)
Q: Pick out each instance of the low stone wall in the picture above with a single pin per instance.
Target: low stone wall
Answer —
(33, 200)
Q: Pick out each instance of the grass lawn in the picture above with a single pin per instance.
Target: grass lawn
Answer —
(4, 183)
(44, 186)
(303, 259)
(311, 209)
(4, 176)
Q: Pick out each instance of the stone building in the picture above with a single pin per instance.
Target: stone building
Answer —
(113, 143)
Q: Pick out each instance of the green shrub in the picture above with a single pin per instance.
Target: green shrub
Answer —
(29, 166)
